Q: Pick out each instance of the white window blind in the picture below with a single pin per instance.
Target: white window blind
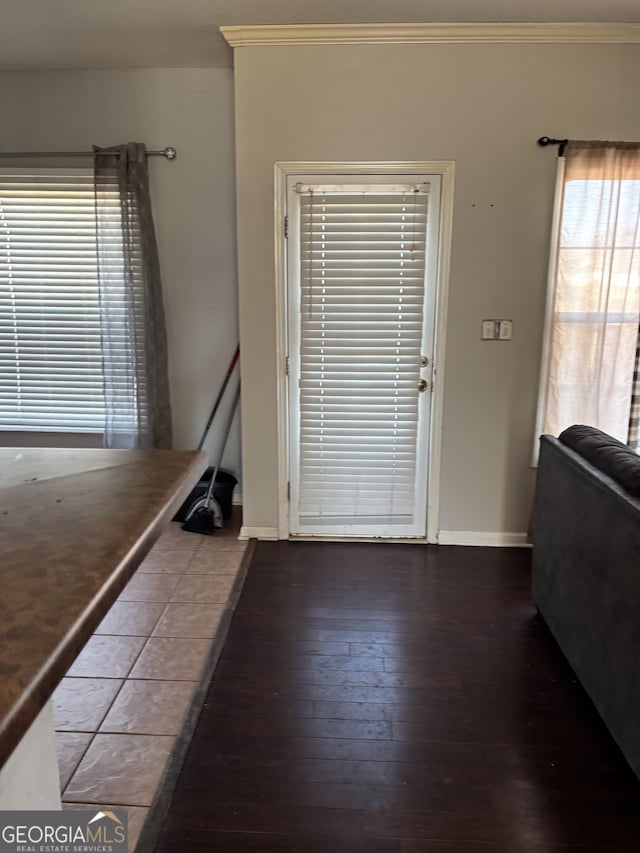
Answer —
(50, 343)
(362, 279)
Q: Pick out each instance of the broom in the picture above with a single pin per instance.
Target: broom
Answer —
(204, 515)
(227, 377)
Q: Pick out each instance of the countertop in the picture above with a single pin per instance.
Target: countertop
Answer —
(74, 525)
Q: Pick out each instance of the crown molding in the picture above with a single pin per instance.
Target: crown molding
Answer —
(468, 33)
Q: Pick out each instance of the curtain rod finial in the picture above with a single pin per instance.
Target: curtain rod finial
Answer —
(170, 153)
(544, 141)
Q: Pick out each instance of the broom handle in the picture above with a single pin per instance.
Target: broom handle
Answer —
(219, 397)
(227, 430)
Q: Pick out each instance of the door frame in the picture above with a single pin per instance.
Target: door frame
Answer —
(282, 170)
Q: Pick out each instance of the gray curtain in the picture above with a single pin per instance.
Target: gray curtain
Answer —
(134, 344)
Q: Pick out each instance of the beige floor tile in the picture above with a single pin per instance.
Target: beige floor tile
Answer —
(120, 769)
(136, 816)
(80, 704)
(222, 543)
(215, 563)
(176, 539)
(131, 619)
(189, 620)
(172, 659)
(152, 588)
(70, 747)
(213, 589)
(165, 562)
(149, 708)
(107, 657)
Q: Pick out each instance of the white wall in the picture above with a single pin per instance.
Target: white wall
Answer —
(483, 106)
(193, 198)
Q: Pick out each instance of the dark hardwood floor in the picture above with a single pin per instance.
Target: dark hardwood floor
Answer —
(397, 699)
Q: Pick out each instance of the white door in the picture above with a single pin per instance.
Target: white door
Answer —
(361, 273)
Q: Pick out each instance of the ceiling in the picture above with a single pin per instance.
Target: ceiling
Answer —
(57, 34)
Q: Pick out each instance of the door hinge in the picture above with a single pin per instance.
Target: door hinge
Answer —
(286, 365)
(286, 227)
(288, 491)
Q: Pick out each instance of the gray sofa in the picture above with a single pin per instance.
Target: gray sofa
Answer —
(586, 569)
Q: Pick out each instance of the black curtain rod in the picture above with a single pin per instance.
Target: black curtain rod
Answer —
(546, 140)
(169, 153)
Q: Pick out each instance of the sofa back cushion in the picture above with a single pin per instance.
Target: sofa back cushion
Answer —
(605, 453)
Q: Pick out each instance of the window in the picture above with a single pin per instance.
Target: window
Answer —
(593, 311)
(50, 330)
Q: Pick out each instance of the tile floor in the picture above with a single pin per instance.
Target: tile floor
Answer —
(121, 705)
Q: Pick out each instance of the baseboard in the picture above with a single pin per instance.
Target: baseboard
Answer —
(488, 539)
(270, 533)
(236, 500)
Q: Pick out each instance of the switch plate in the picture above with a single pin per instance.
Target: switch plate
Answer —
(497, 330)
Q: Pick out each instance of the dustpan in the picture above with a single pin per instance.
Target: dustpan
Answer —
(205, 515)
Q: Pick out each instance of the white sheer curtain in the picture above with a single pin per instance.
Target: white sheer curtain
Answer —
(594, 311)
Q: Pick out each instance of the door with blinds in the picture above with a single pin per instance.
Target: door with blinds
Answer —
(362, 272)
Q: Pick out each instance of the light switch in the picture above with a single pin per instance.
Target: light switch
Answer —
(506, 330)
(490, 329)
